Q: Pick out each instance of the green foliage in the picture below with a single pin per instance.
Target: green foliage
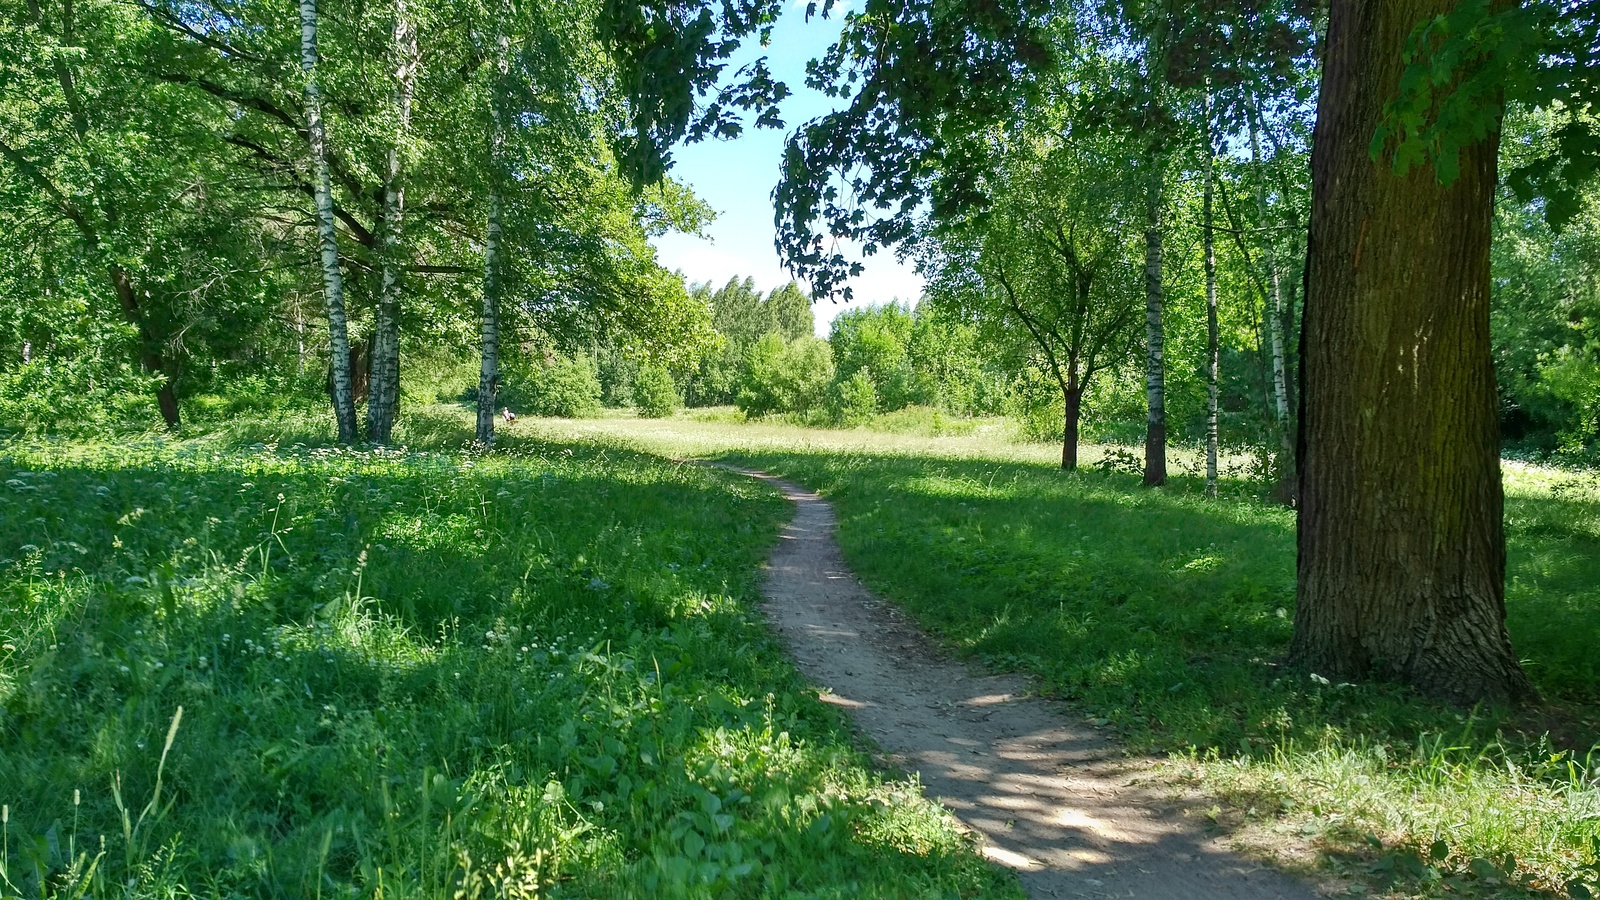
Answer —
(853, 400)
(537, 671)
(876, 338)
(566, 387)
(655, 394)
(785, 376)
(1465, 66)
(741, 316)
(1546, 328)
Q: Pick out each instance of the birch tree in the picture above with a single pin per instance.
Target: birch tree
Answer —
(344, 407)
(383, 391)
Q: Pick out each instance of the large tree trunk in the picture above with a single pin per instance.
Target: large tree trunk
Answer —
(1213, 350)
(1402, 553)
(1155, 439)
(344, 405)
(383, 396)
(1274, 319)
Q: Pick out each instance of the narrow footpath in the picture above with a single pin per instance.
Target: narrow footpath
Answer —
(1051, 798)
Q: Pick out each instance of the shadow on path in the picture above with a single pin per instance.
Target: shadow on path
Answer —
(1052, 799)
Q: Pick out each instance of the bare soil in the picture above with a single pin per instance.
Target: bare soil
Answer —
(1049, 796)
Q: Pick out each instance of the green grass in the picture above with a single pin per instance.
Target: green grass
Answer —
(1164, 616)
(423, 672)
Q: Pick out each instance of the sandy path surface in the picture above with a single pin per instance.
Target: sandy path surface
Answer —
(1052, 799)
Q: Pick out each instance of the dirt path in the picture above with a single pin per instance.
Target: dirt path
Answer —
(1052, 799)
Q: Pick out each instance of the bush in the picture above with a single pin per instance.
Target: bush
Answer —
(784, 377)
(567, 388)
(1034, 403)
(853, 401)
(654, 393)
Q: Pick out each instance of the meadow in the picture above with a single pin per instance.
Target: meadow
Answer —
(1162, 617)
(250, 664)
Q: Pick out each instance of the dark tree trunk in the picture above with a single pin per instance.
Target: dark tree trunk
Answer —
(1155, 436)
(1402, 553)
(1073, 395)
(150, 358)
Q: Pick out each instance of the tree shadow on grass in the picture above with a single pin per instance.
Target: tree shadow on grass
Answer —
(1163, 612)
(393, 659)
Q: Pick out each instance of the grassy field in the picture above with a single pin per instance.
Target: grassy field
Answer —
(249, 665)
(1164, 616)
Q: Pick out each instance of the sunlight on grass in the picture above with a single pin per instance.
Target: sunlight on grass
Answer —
(1165, 616)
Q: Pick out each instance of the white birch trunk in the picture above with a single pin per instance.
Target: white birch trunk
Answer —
(383, 393)
(344, 408)
(489, 370)
(1280, 387)
(1155, 442)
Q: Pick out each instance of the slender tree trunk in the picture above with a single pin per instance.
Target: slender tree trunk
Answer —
(1213, 351)
(1072, 394)
(383, 392)
(489, 371)
(150, 358)
(1155, 440)
(1402, 552)
(1274, 318)
(344, 406)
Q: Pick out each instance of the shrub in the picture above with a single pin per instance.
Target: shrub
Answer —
(784, 377)
(654, 393)
(853, 401)
(1034, 403)
(567, 388)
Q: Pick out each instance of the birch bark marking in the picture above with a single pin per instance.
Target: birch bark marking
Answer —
(489, 370)
(1402, 547)
(383, 396)
(1275, 315)
(344, 407)
(1155, 439)
(1213, 361)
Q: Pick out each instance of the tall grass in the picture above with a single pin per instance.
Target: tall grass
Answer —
(424, 672)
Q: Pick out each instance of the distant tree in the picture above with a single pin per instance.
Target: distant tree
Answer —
(876, 338)
(787, 310)
(1050, 262)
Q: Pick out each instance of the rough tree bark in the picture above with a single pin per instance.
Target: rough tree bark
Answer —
(1402, 552)
(1155, 439)
(1213, 352)
(383, 393)
(344, 406)
(1274, 319)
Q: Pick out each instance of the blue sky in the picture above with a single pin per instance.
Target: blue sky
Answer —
(736, 178)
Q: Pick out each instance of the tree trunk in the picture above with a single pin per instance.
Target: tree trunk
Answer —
(344, 406)
(1402, 552)
(1155, 440)
(1213, 351)
(383, 394)
(489, 371)
(1274, 318)
(1072, 394)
